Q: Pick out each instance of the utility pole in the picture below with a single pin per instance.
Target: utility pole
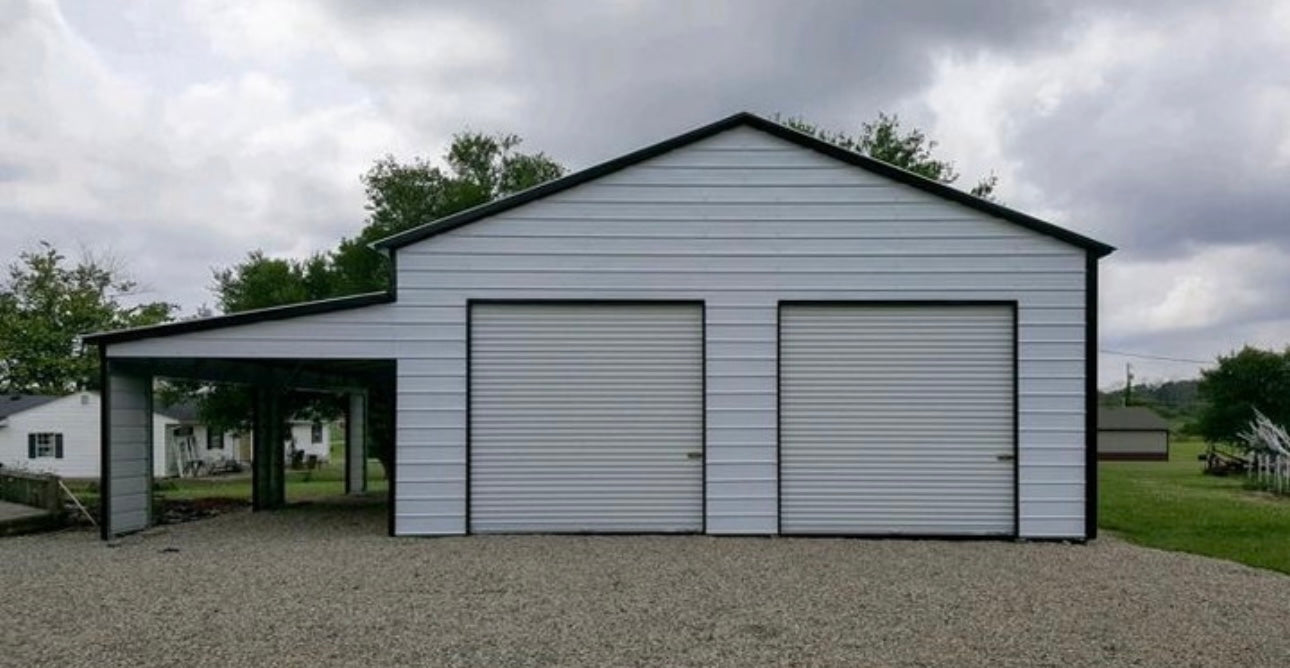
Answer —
(1128, 383)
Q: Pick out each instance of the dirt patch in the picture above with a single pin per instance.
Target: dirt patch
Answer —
(177, 511)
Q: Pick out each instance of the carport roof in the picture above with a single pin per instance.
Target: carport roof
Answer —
(240, 318)
(768, 126)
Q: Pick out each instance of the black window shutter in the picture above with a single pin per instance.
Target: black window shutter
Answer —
(58, 446)
(31, 446)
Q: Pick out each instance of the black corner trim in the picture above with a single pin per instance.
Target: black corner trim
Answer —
(105, 448)
(390, 475)
(1090, 396)
(241, 318)
(454, 221)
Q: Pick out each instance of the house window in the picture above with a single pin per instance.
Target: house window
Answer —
(316, 433)
(45, 444)
(214, 439)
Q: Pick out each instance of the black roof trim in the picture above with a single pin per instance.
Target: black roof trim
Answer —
(241, 318)
(765, 125)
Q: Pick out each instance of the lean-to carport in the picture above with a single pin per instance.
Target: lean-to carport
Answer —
(337, 346)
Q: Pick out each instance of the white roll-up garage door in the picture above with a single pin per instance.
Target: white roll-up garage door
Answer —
(897, 419)
(586, 417)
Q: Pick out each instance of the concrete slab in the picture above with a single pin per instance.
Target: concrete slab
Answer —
(15, 511)
(16, 518)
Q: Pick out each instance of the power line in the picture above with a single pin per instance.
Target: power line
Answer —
(1153, 357)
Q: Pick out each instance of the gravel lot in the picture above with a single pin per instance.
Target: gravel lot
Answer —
(322, 585)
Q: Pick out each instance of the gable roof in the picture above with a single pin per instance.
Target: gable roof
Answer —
(786, 133)
(11, 404)
(1130, 418)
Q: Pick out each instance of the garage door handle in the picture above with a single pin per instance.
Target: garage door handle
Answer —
(1006, 458)
(694, 455)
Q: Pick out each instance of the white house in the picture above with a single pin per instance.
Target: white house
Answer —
(193, 448)
(60, 435)
(739, 330)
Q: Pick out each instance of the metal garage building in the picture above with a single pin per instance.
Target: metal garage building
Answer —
(740, 330)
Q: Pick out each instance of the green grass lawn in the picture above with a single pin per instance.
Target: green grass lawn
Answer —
(1172, 506)
(323, 482)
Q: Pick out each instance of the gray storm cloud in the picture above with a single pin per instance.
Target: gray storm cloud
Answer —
(180, 136)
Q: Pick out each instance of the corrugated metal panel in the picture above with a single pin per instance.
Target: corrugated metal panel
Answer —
(896, 419)
(586, 417)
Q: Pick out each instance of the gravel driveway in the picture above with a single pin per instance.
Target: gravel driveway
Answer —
(322, 585)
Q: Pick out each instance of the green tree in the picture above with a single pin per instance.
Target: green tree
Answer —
(1175, 400)
(400, 196)
(261, 282)
(884, 139)
(478, 168)
(1242, 382)
(46, 303)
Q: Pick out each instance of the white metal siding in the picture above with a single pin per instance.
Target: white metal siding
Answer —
(130, 485)
(586, 417)
(896, 419)
(370, 332)
(741, 221)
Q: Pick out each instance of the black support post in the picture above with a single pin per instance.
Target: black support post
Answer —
(268, 469)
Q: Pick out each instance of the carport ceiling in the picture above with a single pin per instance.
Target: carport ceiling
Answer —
(318, 374)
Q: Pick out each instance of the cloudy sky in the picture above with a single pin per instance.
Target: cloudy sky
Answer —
(178, 136)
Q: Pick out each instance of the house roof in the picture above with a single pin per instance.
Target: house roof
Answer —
(1130, 418)
(786, 133)
(11, 404)
(185, 411)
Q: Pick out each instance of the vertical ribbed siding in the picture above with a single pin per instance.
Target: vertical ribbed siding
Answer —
(896, 419)
(586, 417)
